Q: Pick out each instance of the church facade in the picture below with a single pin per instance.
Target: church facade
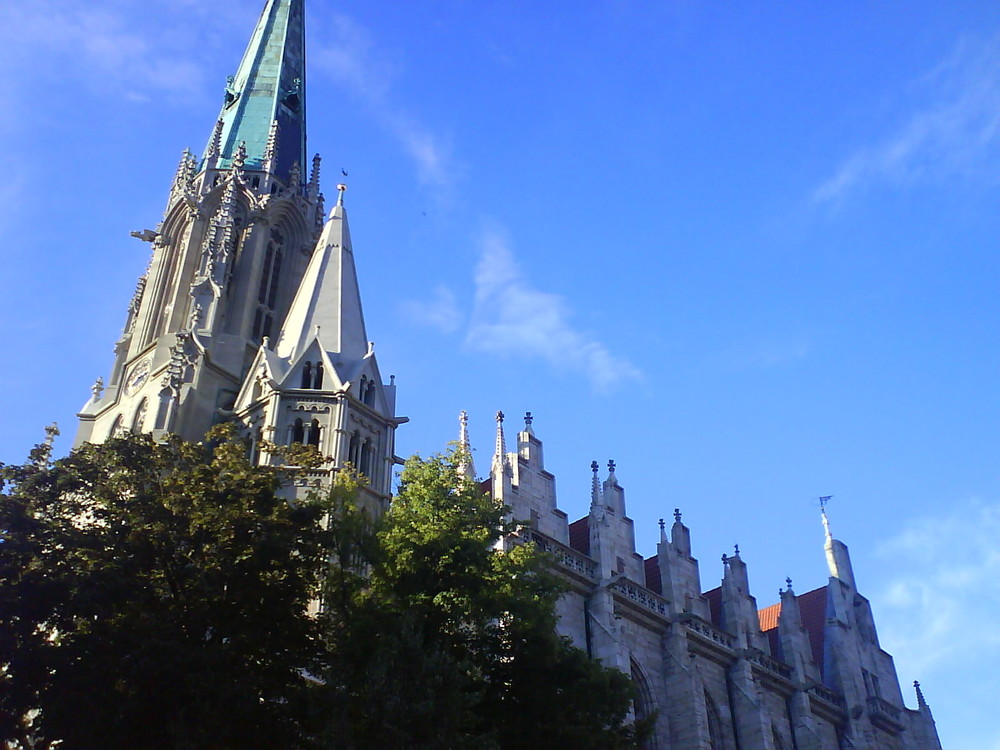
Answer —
(250, 311)
(719, 673)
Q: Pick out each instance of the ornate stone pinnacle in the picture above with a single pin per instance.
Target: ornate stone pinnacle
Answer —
(320, 210)
(677, 515)
(528, 419)
(240, 158)
(314, 176)
(611, 466)
(594, 467)
(271, 148)
(97, 388)
(216, 148)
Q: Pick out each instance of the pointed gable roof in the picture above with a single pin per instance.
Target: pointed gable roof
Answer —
(328, 297)
(579, 535)
(654, 581)
(812, 607)
(268, 87)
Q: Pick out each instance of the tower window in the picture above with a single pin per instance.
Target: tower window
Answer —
(314, 433)
(366, 451)
(312, 375)
(298, 432)
(267, 291)
(354, 450)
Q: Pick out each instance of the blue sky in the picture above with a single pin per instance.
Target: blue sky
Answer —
(749, 251)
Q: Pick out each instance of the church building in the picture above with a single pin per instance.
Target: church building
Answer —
(250, 311)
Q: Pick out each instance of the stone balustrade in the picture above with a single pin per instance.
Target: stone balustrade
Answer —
(881, 707)
(566, 556)
(709, 631)
(768, 664)
(641, 596)
(824, 693)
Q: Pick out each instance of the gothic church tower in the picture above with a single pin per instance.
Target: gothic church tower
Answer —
(250, 307)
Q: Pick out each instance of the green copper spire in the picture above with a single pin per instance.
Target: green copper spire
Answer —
(265, 102)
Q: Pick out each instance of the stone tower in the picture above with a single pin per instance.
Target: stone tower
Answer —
(250, 308)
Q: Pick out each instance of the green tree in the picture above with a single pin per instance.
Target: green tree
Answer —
(154, 596)
(447, 642)
(157, 596)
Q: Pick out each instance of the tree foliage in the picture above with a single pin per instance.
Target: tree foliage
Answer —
(449, 642)
(154, 596)
(163, 596)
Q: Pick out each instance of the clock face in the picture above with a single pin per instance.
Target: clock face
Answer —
(137, 378)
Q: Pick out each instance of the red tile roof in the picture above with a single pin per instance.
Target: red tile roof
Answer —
(812, 606)
(769, 617)
(579, 535)
(715, 604)
(653, 582)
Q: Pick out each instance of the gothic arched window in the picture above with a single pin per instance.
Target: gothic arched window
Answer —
(779, 744)
(366, 454)
(117, 427)
(298, 432)
(314, 433)
(318, 376)
(643, 705)
(307, 375)
(714, 723)
(267, 291)
(354, 449)
(140, 416)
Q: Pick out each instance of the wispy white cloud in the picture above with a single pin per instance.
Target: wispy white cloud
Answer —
(943, 602)
(441, 311)
(937, 610)
(953, 128)
(512, 318)
(100, 45)
(348, 54)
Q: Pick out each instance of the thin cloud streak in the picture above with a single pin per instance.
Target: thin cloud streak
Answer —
(440, 312)
(940, 604)
(937, 610)
(956, 131)
(512, 318)
(99, 47)
(348, 55)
